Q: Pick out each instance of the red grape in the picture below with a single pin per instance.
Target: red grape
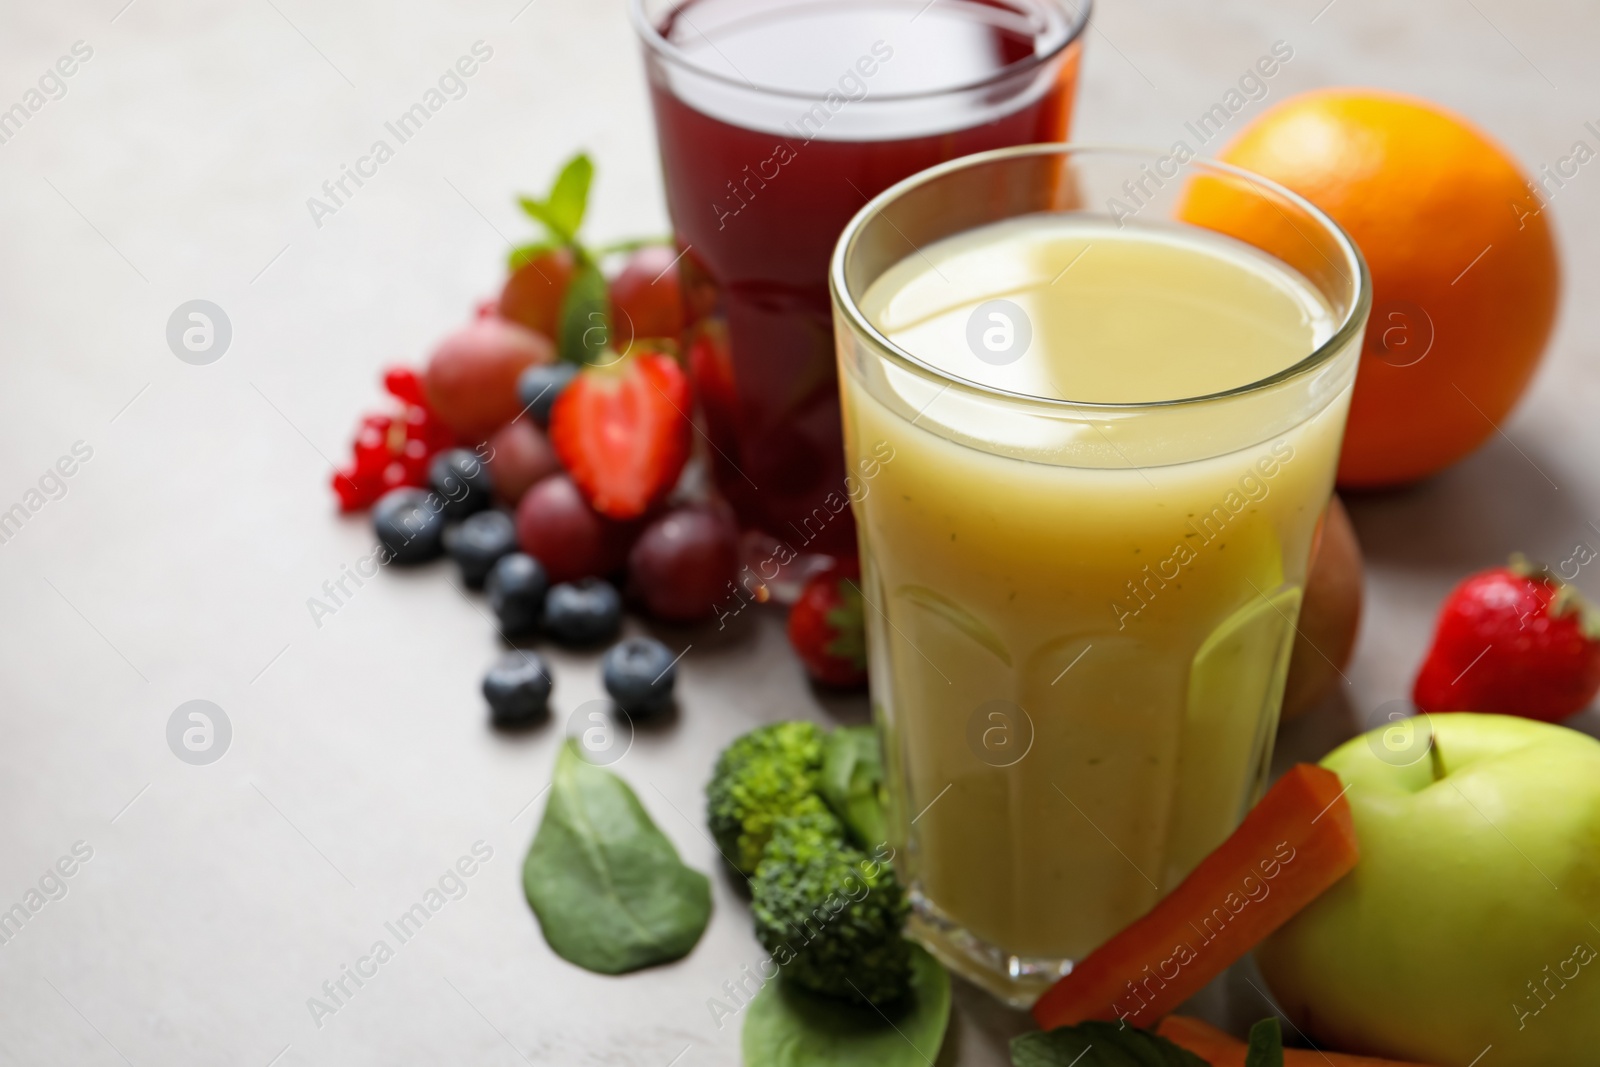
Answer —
(556, 526)
(520, 455)
(471, 379)
(646, 300)
(533, 294)
(683, 562)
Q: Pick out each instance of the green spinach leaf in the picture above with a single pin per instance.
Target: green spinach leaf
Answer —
(608, 887)
(1266, 1045)
(1099, 1044)
(787, 1026)
(852, 783)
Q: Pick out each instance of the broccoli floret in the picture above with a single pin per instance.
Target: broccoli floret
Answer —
(769, 773)
(852, 783)
(830, 914)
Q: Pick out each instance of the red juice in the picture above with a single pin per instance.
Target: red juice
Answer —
(777, 121)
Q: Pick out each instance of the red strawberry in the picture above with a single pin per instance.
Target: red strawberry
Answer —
(1513, 640)
(622, 431)
(827, 627)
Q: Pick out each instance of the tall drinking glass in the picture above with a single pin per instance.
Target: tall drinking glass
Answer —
(777, 120)
(1093, 401)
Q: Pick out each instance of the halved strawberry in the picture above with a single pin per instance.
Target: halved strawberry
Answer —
(622, 432)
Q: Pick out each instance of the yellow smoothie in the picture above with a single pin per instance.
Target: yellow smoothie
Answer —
(1080, 617)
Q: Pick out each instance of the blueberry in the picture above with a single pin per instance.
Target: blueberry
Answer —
(478, 542)
(540, 385)
(410, 524)
(639, 674)
(583, 612)
(516, 586)
(518, 689)
(461, 480)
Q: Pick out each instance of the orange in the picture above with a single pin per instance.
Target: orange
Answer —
(1464, 272)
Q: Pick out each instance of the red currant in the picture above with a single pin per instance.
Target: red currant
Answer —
(345, 487)
(371, 451)
(414, 458)
(419, 423)
(355, 490)
(392, 449)
(405, 384)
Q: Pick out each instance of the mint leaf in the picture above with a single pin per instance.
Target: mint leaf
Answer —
(539, 212)
(585, 327)
(1099, 1044)
(562, 211)
(609, 889)
(787, 1026)
(1266, 1045)
(569, 197)
(851, 783)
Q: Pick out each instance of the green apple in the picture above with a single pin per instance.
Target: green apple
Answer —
(1473, 917)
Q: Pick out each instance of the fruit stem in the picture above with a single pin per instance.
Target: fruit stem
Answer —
(633, 245)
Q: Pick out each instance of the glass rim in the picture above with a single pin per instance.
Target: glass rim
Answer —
(1349, 327)
(657, 43)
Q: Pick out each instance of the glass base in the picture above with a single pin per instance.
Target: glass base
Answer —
(1016, 980)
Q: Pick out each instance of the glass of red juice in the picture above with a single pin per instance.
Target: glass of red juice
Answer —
(777, 121)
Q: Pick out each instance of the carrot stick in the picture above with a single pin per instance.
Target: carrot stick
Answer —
(1293, 845)
(1224, 1050)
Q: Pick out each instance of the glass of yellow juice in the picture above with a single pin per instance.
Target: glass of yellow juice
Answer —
(1093, 401)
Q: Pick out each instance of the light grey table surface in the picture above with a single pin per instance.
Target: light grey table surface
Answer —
(179, 562)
